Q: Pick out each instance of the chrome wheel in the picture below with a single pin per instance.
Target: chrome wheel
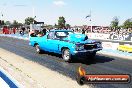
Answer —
(37, 48)
(66, 55)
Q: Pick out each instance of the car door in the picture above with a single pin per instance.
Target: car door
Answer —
(43, 43)
(52, 42)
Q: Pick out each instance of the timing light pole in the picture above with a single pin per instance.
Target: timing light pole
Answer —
(1, 16)
(91, 21)
(33, 11)
(90, 16)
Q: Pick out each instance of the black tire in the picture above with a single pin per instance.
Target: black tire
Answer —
(66, 55)
(38, 50)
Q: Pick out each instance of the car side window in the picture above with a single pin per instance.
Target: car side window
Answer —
(51, 35)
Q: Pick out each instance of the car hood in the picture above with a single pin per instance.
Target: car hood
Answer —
(78, 38)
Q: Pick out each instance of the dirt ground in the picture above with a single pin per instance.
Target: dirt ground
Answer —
(32, 75)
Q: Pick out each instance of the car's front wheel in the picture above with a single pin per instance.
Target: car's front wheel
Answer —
(66, 55)
(37, 48)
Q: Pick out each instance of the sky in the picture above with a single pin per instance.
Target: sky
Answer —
(74, 11)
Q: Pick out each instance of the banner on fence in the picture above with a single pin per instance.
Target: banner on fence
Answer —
(112, 36)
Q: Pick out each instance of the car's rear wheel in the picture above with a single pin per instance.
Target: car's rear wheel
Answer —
(66, 55)
(37, 48)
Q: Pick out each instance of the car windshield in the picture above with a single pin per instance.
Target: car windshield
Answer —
(63, 34)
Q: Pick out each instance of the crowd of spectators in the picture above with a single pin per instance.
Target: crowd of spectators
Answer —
(101, 29)
(13, 30)
(81, 29)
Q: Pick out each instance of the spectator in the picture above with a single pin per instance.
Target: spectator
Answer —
(14, 30)
(83, 31)
(23, 29)
(3, 30)
(20, 32)
(44, 31)
(32, 33)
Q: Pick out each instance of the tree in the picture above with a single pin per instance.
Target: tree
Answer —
(29, 20)
(2, 22)
(68, 25)
(15, 23)
(61, 22)
(115, 23)
(8, 23)
(50, 26)
(20, 24)
(127, 24)
(56, 26)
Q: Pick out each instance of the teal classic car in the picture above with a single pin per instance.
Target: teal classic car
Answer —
(67, 43)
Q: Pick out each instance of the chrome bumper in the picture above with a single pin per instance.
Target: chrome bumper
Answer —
(84, 51)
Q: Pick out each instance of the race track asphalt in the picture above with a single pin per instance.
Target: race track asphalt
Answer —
(102, 65)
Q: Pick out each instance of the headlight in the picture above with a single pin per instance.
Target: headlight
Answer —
(79, 47)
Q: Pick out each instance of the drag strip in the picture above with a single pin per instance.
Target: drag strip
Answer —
(102, 65)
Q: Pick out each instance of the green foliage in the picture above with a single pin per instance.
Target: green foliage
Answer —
(2, 22)
(20, 24)
(127, 24)
(8, 23)
(56, 26)
(49, 26)
(16, 24)
(29, 20)
(115, 23)
(68, 25)
(61, 22)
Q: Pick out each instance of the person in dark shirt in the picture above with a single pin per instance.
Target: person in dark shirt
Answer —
(44, 31)
(83, 31)
(23, 29)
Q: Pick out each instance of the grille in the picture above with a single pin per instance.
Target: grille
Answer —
(90, 46)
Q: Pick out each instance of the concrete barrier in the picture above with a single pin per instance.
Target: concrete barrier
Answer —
(126, 48)
(124, 37)
(110, 45)
(121, 46)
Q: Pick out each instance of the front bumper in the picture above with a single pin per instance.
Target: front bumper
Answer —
(85, 53)
(88, 51)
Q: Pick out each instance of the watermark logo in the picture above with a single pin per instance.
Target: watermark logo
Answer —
(83, 78)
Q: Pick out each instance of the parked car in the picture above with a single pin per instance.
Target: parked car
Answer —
(67, 43)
